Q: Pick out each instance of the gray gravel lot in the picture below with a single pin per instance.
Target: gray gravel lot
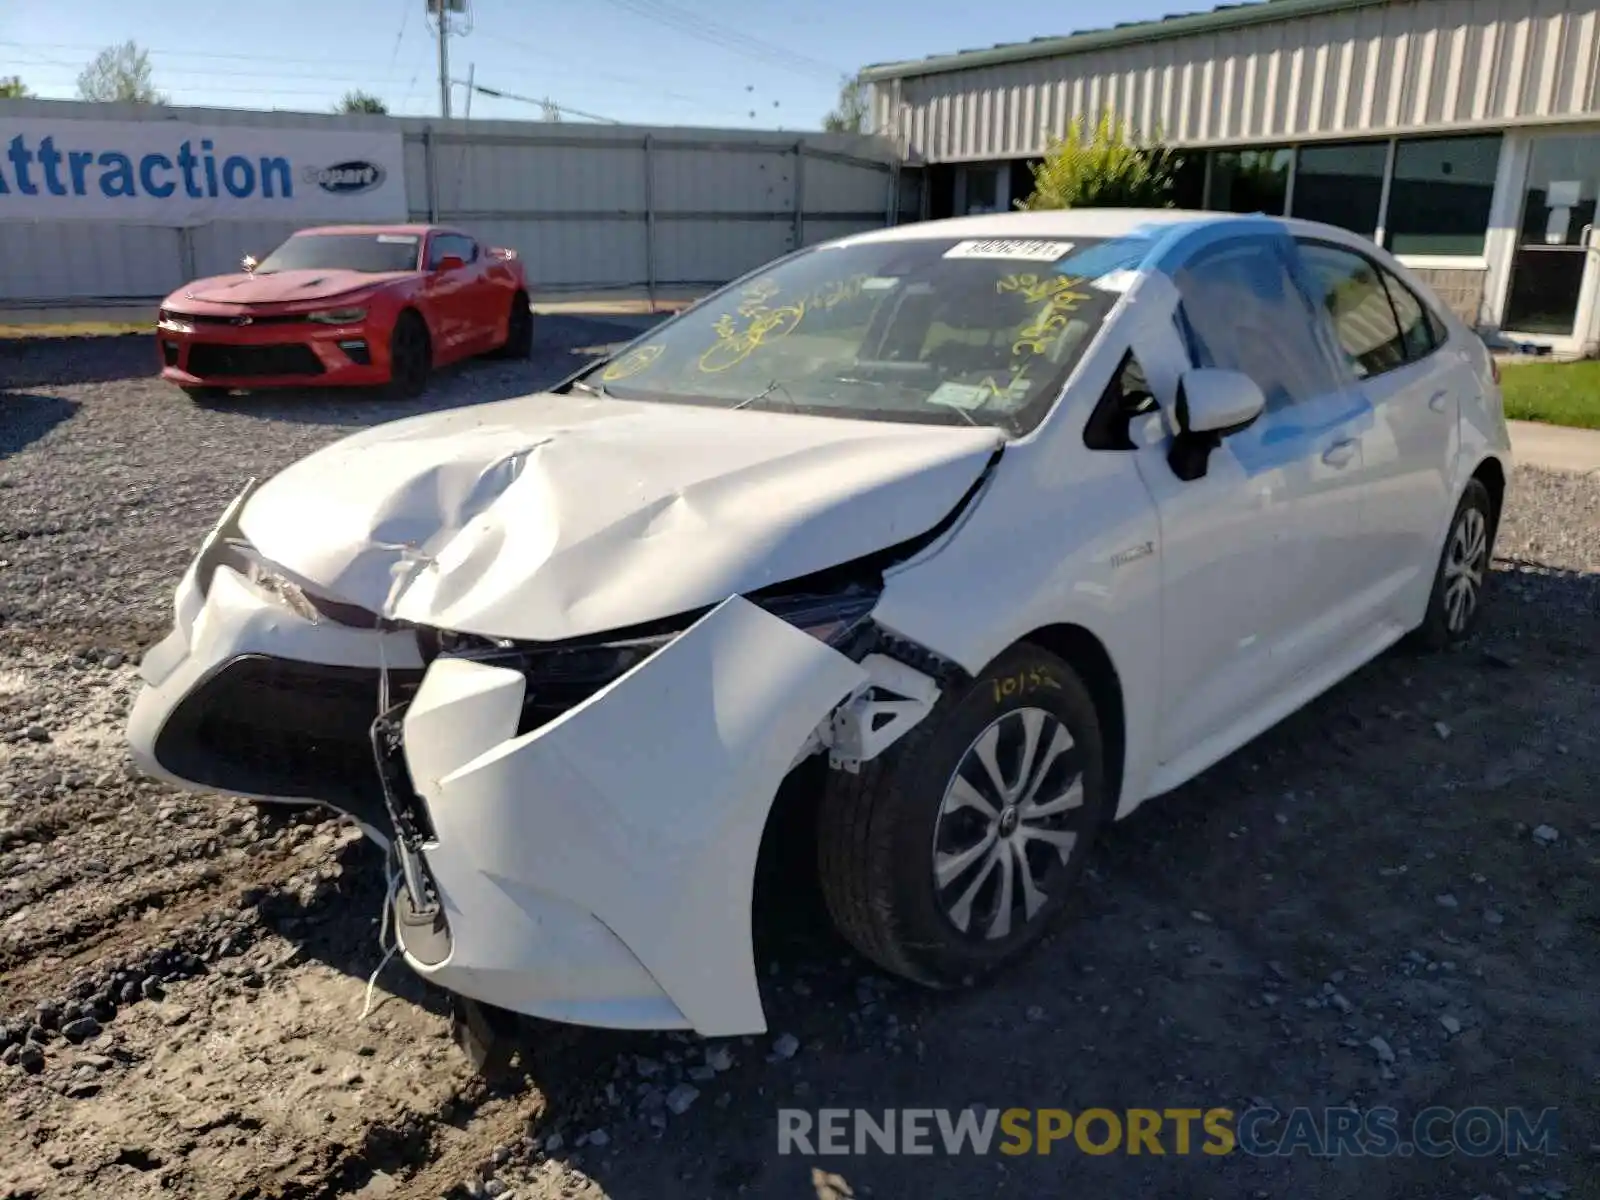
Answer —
(1388, 900)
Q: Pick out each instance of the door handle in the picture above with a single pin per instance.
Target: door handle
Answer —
(1439, 399)
(1340, 453)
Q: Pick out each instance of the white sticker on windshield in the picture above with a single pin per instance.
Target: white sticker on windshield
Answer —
(1029, 250)
(397, 239)
(879, 283)
(960, 395)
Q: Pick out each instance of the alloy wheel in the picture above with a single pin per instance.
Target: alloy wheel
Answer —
(1009, 823)
(1465, 563)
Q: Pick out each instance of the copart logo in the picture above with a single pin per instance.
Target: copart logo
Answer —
(346, 178)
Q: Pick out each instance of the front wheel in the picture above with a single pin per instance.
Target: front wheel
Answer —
(519, 330)
(204, 395)
(1462, 572)
(410, 357)
(947, 856)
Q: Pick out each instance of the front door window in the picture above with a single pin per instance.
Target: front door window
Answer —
(1551, 267)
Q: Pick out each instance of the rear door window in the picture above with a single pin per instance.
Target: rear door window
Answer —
(1416, 332)
(1358, 305)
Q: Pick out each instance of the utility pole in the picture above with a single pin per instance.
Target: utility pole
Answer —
(444, 56)
(472, 75)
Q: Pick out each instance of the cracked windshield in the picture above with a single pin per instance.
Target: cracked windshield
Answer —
(933, 331)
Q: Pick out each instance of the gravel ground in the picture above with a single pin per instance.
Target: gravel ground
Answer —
(1388, 900)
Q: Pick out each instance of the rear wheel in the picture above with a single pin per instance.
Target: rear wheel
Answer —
(410, 356)
(1462, 572)
(519, 330)
(949, 855)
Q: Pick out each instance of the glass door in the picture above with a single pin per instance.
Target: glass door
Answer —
(1553, 273)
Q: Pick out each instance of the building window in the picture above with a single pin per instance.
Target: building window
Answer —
(1188, 180)
(1341, 185)
(1249, 181)
(982, 190)
(1439, 199)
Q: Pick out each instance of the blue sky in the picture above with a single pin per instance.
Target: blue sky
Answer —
(686, 62)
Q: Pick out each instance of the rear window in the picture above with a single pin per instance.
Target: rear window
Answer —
(935, 331)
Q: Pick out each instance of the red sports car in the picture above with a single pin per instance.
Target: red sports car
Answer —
(347, 304)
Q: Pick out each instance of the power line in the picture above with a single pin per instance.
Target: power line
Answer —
(638, 82)
(156, 52)
(405, 16)
(545, 103)
(714, 33)
(162, 72)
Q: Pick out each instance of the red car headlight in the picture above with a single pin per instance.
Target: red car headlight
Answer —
(338, 316)
(174, 322)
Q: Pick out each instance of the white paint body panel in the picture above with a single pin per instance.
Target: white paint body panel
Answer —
(599, 867)
(648, 828)
(551, 517)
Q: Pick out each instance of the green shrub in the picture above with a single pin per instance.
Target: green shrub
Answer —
(1106, 169)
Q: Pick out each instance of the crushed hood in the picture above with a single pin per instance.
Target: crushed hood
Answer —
(283, 287)
(551, 517)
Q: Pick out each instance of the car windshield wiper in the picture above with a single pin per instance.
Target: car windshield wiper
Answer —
(774, 386)
(593, 389)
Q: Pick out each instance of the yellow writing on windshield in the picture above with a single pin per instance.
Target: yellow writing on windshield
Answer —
(630, 364)
(1056, 295)
(757, 321)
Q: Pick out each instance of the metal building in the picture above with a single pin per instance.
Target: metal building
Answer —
(1464, 135)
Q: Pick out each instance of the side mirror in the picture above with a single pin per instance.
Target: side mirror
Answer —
(1212, 403)
(1218, 402)
(451, 262)
(249, 263)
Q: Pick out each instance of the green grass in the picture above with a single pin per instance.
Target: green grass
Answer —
(1555, 393)
(78, 329)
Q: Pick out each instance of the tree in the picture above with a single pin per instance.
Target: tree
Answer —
(1105, 169)
(119, 73)
(851, 113)
(12, 88)
(357, 101)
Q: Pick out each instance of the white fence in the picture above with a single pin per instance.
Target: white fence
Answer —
(593, 209)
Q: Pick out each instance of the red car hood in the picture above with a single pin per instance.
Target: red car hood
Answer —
(282, 287)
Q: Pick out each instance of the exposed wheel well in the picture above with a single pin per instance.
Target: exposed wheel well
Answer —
(1492, 475)
(1088, 657)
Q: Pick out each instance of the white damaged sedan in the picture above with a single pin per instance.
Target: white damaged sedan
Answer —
(1015, 520)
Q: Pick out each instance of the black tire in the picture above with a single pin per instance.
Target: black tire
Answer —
(410, 357)
(1457, 597)
(204, 395)
(519, 330)
(877, 830)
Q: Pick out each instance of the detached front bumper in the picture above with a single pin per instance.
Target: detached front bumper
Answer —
(597, 868)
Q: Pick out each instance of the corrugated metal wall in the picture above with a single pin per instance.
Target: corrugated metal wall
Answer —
(590, 208)
(1372, 70)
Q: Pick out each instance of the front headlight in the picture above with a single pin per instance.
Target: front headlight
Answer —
(338, 316)
(174, 322)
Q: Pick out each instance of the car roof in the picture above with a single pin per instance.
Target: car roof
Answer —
(1075, 222)
(418, 230)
